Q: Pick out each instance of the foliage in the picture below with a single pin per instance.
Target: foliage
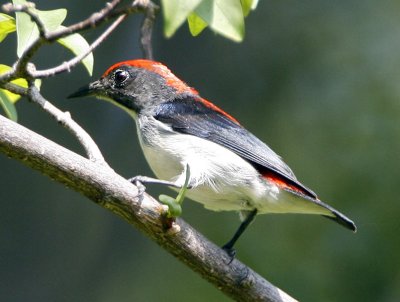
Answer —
(8, 99)
(27, 33)
(225, 17)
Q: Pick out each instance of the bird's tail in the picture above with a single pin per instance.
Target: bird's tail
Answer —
(298, 202)
(343, 220)
(339, 217)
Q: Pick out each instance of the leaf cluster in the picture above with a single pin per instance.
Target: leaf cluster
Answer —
(27, 32)
(224, 17)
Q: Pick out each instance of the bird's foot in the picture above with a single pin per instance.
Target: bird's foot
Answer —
(138, 182)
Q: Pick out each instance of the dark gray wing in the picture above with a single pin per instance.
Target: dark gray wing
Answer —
(200, 118)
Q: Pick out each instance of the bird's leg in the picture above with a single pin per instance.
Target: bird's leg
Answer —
(149, 180)
(228, 247)
(174, 204)
(140, 180)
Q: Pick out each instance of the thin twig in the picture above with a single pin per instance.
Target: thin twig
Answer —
(67, 66)
(64, 118)
(147, 29)
(22, 67)
(19, 68)
(15, 88)
(29, 9)
(109, 12)
(93, 21)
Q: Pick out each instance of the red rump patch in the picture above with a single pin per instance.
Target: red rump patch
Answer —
(158, 68)
(282, 183)
(170, 79)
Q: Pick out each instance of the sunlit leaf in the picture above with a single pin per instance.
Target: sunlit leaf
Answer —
(175, 13)
(11, 97)
(224, 17)
(7, 25)
(248, 5)
(52, 19)
(8, 99)
(196, 24)
(20, 82)
(27, 30)
(77, 44)
(8, 107)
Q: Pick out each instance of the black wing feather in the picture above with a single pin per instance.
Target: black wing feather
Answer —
(190, 115)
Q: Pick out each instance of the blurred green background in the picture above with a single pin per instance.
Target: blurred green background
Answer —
(318, 80)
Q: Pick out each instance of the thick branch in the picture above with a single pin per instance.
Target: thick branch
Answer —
(111, 191)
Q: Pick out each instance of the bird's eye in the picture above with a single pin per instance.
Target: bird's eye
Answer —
(120, 76)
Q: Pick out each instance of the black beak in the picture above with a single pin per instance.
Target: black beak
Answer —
(91, 89)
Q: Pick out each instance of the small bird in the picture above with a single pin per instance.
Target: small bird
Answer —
(230, 168)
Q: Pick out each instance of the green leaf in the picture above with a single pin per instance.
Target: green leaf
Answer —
(27, 30)
(196, 24)
(52, 19)
(175, 204)
(7, 25)
(224, 17)
(8, 106)
(12, 97)
(182, 192)
(8, 99)
(174, 208)
(77, 44)
(175, 13)
(248, 5)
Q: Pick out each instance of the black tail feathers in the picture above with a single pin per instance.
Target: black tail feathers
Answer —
(343, 220)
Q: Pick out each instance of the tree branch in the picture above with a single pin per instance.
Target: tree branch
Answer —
(64, 118)
(27, 8)
(67, 66)
(147, 29)
(111, 191)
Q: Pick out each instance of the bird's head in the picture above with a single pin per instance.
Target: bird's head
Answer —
(137, 85)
